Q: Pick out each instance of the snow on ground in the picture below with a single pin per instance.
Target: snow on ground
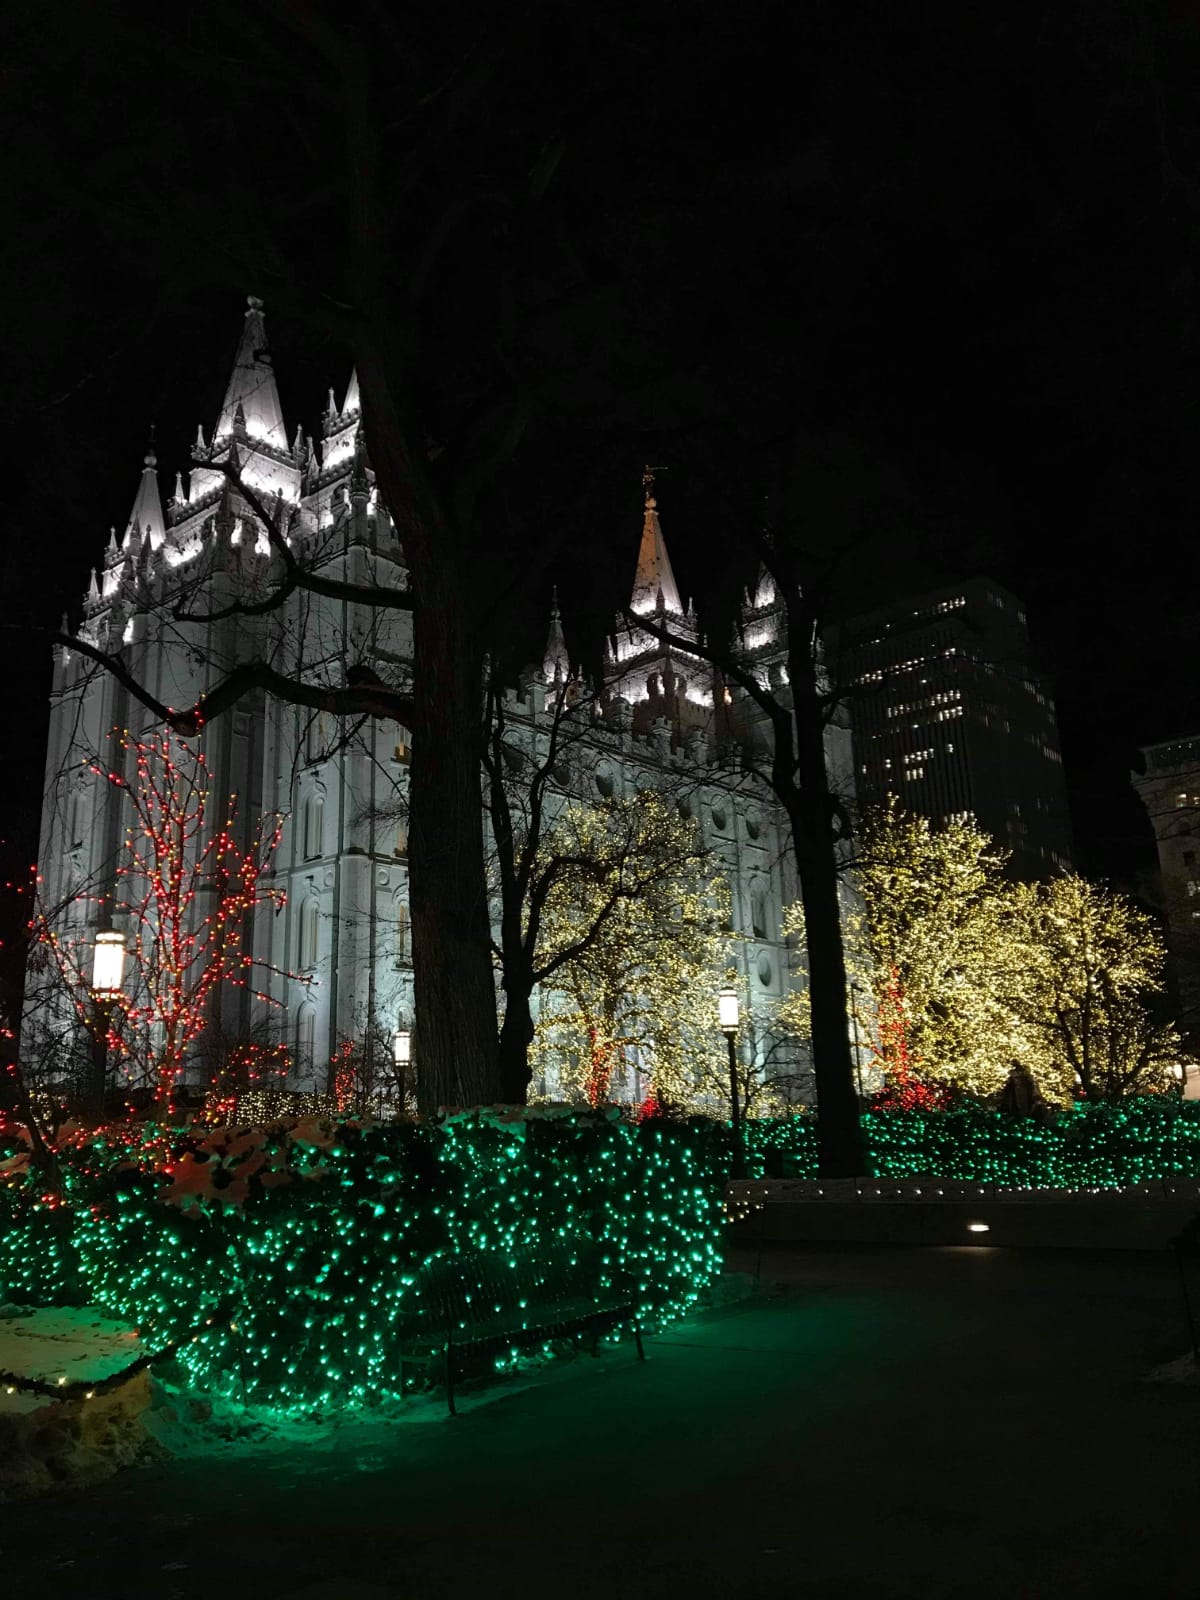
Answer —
(47, 1443)
(64, 1344)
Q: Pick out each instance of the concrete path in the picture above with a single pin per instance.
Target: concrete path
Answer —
(885, 1423)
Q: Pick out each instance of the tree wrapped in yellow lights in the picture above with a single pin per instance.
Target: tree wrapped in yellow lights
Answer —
(933, 939)
(958, 976)
(1080, 970)
(634, 947)
(921, 923)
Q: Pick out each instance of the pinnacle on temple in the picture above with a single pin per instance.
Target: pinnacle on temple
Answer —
(654, 583)
(252, 386)
(556, 664)
(147, 513)
(763, 592)
(225, 517)
(359, 482)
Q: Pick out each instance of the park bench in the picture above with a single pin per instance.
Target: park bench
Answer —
(484, 1302)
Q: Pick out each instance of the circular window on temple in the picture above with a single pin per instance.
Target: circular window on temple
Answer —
(766, 971)
(605, 783)
(720, 818)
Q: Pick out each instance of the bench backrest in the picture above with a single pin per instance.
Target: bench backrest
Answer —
(473, 1288)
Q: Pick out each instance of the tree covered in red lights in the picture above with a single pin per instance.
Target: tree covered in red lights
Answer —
(188, 884)
(190, 890)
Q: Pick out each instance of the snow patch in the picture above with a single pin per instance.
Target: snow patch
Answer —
(64, 1344)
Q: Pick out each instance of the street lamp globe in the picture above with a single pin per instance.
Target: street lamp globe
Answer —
(108, 964)
(402, 1048)
(727, 1011)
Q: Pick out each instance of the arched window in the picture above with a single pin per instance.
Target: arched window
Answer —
(758, 912)
(314, 826)
(401, 846)
(305, 1043)
(309, 942)
(75, 820)
(402, 950)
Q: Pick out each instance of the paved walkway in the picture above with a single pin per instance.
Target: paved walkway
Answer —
(949, 1422)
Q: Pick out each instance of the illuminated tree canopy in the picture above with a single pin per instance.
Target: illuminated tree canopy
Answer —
(959, 976)
(1082, 971)
(635, 939)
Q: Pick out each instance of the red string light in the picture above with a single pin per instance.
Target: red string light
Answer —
(904, 1090)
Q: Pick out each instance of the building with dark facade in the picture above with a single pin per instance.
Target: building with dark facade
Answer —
(1170, 790)
(950, 716)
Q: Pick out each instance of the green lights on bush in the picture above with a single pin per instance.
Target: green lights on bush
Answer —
(319, 1267)
(312, 1231)
(1133, 1141)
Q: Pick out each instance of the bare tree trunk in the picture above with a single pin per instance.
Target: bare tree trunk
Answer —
(455, 1019)
(812, 813)
(839, 1135)
(516, 1035)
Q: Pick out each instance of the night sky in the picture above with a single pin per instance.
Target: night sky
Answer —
(987, 284)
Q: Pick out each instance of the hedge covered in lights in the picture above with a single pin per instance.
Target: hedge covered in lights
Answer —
(1135, 1141)
(305, 1237)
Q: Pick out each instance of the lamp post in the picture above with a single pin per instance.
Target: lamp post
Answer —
(727, 1016)
(402, 1056)
(108, 970)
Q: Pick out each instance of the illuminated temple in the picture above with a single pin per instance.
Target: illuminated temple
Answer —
(339, 951)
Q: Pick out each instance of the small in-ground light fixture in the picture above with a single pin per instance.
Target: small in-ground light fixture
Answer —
(977, 1227)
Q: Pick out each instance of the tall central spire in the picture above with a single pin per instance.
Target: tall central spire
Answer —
(252, 386)
(654, 583)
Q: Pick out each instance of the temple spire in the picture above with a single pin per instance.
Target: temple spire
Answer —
(654, 583)
(252, 386)
(147, 514)
(352, 404)
(556, 664)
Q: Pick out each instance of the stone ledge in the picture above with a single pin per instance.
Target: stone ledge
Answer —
(1124, 1221)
